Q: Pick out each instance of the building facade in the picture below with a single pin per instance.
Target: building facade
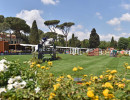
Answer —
(11, 39)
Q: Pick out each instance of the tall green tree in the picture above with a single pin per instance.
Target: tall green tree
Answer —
(103, 45)
(72, 41)
(128, 43)
(4, 27)
(41, 34)
(18, 26)
(94, 40)
(65, 28)
(112, 43)
(61, 41)
(1, 18)
(34, 36)
(85, 43)
(123, 43)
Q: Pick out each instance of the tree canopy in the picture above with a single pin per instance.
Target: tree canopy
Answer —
(34, 36)
(52, 24)
(65, 28)
(123, 43)
(94, 40)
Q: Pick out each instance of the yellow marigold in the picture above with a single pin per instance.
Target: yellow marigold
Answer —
(110, 77)
(113, 71)
(38, 65)
(31, 66)
(50, 63)
(43, 67)
(110, 96)
(108, 71)
(96, 98)
(85, 75)
(107, 84)
(101, 76)
(126, 64)
(80, 68)
(47, 68)
(90, 94)
(123, 79)
(105, 92)
(89, 88)
(58, 79)
(50, 74)
(61, 76)
(52, 95)
(33, 63)
(56, 86)
(88, 83)
(83, 79)
(121, 85)
(75, 69)
(128, 67)
(95, 77)
(69, 76)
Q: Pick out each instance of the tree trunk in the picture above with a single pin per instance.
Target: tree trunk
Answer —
(66, 41)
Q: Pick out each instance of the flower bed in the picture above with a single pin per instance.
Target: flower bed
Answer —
(36, 82)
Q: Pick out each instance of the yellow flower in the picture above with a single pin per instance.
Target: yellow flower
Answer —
(105, 92)
(69, 76)
(121, 85)
(123, 79)
(128, 67)
(107, 84)
(52, 95)
(88, 83)
(43, 67)
(50, 63)
(31, 66)
(38, 65)
(96, 98)
(110, 96)
(75, 69)
(83, 79)
(47, 68)
(95, 78)
(80, 68)
(61, 76)
(126, 64)
(85, 75)
(90, 94)
(108, 71)
(101, 76)
(58, 79)
(33, 63)
(113, 71)
(110, 77)
(56, 86)
(89, 88)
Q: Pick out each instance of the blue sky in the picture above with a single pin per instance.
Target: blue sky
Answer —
(108, 17)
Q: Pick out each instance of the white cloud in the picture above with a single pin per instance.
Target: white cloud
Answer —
(118, 28)
(125, 17)
(114, 21)
(30, 16)
(116, 37)
(47, 2)
(99, 15)
(126, 6)
(117, 21)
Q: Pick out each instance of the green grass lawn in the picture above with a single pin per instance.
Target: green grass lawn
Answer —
(91, 64)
